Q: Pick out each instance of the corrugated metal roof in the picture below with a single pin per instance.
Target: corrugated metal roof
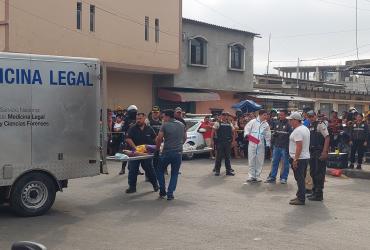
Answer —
(218, 26)
(284, 98)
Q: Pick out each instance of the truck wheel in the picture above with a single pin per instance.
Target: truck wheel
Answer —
(32, 195)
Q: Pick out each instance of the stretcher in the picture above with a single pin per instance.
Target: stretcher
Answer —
(149, 156)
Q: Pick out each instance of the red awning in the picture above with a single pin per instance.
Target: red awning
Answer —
(187, 95)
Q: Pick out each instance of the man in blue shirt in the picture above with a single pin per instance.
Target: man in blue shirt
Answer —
(306, 122)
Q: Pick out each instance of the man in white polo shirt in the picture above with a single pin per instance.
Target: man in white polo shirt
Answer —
(299, 152)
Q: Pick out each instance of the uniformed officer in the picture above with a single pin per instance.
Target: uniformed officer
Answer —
(359, 136)
(130, 121)
(280, 143)
(319, 149)
(155, 122)
(224, 131)
(155, 119)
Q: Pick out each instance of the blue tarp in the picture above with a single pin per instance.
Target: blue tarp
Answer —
(247, 106)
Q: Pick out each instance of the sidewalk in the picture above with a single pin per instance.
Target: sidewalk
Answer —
(360, 174)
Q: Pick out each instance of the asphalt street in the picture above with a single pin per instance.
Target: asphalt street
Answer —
(209, 212)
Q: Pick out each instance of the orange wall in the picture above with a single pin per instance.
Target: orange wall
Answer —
(227, 100)
(125, 89)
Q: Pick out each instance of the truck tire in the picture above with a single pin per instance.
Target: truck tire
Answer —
(32, 195)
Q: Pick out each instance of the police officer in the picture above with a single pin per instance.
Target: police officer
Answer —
(130, 121)
(225, 132)
(359, 136)
(280, 143)
(155, 119)
(319, 149)
(155, 122)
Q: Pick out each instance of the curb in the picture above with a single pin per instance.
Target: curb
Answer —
(353, 173)
(359, 174)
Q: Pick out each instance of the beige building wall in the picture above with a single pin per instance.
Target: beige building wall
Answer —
(49, 27)
(2, 38)
(2, 25)
(126, 88)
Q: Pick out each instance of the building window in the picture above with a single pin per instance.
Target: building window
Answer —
(237, 57)
(342, 108)
(146, 28)
(157, 30)
(92, 18)
(79, 15)
(359, 108)
(198, 51)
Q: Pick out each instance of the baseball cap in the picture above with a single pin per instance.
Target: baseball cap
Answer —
(225, 113)
(295, 116)
(311, 113)
(178, 109)
(156, 109)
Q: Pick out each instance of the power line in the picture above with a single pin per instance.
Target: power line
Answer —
(342, 5)
(130, 19)
(319, 34)
(86, 35)
(220, 13)
(329, 57)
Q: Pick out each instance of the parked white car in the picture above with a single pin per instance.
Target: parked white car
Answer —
(195, 138)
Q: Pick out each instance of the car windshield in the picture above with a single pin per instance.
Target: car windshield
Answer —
(191, 126)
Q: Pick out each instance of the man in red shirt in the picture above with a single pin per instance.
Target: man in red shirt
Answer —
(207, 125)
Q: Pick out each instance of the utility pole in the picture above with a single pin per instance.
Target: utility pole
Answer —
(358, 58)
(268, 60)
(298, 75)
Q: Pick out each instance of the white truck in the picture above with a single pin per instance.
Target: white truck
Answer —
(50, 127)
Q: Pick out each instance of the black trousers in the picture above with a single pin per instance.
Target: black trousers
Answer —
(223, 152)
(133, 168)
(300, 176)
(357, 146)
(317, 172)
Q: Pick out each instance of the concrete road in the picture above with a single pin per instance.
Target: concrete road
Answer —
(209, 213)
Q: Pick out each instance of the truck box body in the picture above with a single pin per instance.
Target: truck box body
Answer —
(49, 116)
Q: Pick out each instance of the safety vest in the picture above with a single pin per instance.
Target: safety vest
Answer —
(317, 140)
(281, 134)
(359, 131)
(224, 133)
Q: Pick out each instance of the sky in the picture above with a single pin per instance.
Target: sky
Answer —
(318, 32)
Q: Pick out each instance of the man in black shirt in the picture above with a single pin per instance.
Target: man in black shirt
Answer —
(280, 143)
(140, 134)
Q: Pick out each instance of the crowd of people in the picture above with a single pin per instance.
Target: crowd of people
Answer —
(130, 128)
(292, 140)
(295, 140)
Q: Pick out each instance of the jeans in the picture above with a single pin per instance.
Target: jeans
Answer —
(133, 168)
(167, 158)
(300, 175)
(223, 152)
(278, 155)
